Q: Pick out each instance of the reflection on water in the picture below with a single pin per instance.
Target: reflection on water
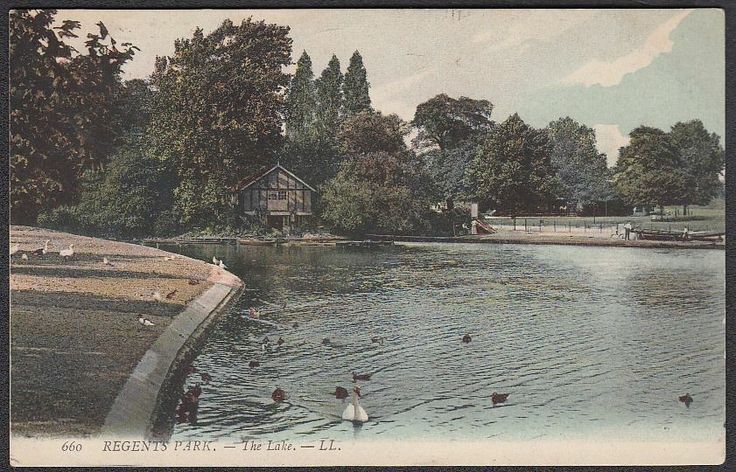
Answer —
(585, 340)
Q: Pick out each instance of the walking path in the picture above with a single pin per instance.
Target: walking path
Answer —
(75, 335)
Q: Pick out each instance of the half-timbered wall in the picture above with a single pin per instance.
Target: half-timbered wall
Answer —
(277, 192)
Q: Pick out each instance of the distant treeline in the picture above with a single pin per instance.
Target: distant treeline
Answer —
(160, 156)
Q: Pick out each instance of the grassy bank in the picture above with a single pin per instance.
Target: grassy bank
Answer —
(75, 337)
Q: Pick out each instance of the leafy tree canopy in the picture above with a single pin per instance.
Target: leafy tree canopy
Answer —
(218, 111)
(61, 108)
(446, 122)
(371, 132)
(377, 193)
(649, 171)
(581, 169)
(512, 170)
(702, 158)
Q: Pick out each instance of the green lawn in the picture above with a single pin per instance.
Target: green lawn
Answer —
(701, 218)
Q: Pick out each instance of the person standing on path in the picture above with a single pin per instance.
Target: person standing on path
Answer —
(627, 230)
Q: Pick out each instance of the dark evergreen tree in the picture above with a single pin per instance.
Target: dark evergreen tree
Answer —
(301, 100)
(356, 86)
(329, 98)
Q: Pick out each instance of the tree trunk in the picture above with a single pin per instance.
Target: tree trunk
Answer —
(684, 210)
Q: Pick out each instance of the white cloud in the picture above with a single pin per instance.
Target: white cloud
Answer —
(611, 73)
(609, 138)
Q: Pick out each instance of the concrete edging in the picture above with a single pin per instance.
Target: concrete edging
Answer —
(134, 408)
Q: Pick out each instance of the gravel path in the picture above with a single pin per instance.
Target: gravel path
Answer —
(75, 337)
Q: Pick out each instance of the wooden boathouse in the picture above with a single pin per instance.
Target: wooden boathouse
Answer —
(277, 194)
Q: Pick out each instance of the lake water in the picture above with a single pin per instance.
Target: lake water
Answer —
(586, 341)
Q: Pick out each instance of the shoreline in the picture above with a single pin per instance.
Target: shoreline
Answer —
(502, 237)
(76, 344)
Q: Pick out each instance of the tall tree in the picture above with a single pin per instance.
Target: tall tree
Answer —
(649, 171)
(329, 98)
(581, 169)
(61, 109)
(446, 122)
(355, 87)
(301, 100)
(217, 113)
(513, 170)
(702, 158)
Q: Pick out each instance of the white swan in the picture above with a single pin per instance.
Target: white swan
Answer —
(46, 247)
(215, 260)
(354, 412)
(67, 252)
(222, 265)
(144, 321)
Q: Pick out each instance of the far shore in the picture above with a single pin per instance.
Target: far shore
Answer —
(597, 236)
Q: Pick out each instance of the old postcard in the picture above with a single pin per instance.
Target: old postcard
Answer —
(367, 237)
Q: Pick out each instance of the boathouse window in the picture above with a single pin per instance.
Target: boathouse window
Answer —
(282, 194)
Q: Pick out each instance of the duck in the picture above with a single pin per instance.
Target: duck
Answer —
(377, 339)
(357, 377)
(326, 342)
(193, 282)
(498, 398)
(280, 341)
(354, 412)
(341, 393)
(278, 395)
(253, 364)
(145, 321)
(215, 260)
(196, 390)
(14, 249)
(171, 294)
(686, 399)
(467, 339)
(67, 253)
(107, 262)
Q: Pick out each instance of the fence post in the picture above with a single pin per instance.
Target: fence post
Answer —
(554, 225)
(525, 228)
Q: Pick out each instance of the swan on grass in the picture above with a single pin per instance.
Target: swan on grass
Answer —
(66, 253)
(221, 265)
(354, 412)
(145, 321)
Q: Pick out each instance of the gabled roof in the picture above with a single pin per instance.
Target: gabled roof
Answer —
(248, 181)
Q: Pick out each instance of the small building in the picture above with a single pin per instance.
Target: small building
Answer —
(277, 194)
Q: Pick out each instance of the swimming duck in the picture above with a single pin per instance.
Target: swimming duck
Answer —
(354, 412)
(253, 364)
(341, 393)
(686, 399)
(377, 339)
(326, 342)
(357, 377)
(280, 341)
(278, 395)
(498, 398)
(467, 339)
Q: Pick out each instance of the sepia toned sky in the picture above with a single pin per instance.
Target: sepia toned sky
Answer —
(610, 69)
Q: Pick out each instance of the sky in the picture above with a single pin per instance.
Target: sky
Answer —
(612, 70)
